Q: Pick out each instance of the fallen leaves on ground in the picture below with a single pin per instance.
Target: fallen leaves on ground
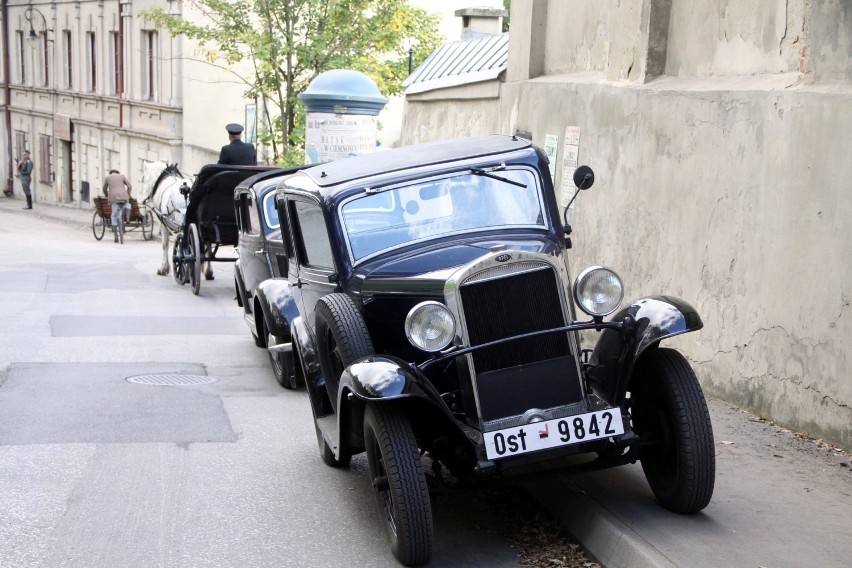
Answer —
(537, 536)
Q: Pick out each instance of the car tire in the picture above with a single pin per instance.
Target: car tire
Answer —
(282, 363)
(670, 412)
(396, 474)
(342, 338)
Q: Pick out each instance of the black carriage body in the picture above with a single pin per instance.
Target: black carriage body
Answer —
(210, 201)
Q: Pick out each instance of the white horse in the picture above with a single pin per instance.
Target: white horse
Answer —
(161, 188)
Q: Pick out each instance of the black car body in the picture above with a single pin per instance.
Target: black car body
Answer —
(426, 303)
(261, 255)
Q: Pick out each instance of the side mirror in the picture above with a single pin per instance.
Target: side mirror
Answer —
(584, 177)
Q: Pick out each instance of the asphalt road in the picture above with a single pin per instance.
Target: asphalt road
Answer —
(100, 471)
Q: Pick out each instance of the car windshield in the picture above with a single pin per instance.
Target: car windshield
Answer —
(468, 202)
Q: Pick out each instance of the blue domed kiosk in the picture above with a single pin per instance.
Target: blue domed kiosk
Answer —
(342, 107)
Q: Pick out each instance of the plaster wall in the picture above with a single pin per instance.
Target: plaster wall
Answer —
(723, 181)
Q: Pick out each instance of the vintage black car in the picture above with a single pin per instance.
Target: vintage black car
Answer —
(261, 255)
(424, 298)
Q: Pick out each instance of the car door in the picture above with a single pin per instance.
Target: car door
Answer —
(313, 250)
(254, 264)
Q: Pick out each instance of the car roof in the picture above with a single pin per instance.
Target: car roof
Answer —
(418, 155)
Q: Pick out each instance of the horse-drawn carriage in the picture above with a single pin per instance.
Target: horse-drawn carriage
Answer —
(205, 223)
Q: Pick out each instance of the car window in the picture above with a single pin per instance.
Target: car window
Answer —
(460, 203)
(270, 213)
(314, 247)
(246, 215)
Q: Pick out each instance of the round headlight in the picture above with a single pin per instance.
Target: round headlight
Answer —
(430, 326)
(598, 291)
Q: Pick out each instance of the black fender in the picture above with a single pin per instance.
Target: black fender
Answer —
(278, 305)
(305, 350)
(650, 320)
(382, 379)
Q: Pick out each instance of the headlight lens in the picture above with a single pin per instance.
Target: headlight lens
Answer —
(598, 291)
(430, 326)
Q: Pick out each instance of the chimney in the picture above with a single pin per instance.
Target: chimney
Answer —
(481, 22)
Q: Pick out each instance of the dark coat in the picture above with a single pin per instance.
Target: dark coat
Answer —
(238, 153)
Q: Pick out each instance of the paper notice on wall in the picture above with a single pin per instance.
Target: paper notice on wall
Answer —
(570, 155)
(551, 147)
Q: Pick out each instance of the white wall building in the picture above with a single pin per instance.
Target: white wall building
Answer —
(90, 85)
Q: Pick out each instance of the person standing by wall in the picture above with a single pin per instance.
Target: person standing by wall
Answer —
(25, 170)
(117, 189)
(237, 152)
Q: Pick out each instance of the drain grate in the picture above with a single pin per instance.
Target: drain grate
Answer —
(170, 380)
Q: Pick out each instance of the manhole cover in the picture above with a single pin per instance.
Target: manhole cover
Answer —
(171, 380)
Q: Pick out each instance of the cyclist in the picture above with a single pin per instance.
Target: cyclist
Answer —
(117, 189)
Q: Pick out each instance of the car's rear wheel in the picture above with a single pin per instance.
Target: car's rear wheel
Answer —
(342, 339)
(671, 415)
(397, 477)
(282, 363)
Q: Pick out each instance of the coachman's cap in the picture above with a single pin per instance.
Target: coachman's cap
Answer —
(234, 128)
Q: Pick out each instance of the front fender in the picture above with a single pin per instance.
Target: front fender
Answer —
(278, 305)
(385, 378)
(653, 319)
(381, 379)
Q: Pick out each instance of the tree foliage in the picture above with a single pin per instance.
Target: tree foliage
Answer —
(287, 43)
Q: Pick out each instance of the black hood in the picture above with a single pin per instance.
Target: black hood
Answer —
(425, 270)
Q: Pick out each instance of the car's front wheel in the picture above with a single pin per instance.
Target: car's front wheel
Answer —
(342, 339)
(397, 478)
(670, 415)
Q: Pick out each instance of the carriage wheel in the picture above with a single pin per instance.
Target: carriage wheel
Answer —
(98, 226)
(178, 264)
(147, 226)
(193, 260)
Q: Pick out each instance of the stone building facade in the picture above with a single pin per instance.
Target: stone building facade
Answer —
(90, 85)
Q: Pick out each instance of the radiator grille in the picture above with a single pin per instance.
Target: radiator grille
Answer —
(514, 305)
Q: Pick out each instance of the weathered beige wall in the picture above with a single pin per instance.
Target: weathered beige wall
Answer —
(723, 183)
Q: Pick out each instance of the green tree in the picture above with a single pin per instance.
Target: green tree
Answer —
(289, 42)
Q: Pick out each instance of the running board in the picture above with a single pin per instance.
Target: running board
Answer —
(328, 429)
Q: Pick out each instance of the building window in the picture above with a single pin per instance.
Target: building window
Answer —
(45, 63)
(20, 143)
(67, 73)
(91, 63)
(21, 65)
(45, 162)
(149, 65)
(116, 67)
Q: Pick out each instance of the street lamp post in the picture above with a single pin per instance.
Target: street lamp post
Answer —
(28, 16)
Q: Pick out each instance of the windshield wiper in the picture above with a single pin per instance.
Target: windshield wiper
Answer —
(480, 172)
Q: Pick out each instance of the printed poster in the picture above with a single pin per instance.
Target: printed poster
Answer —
(570, 156)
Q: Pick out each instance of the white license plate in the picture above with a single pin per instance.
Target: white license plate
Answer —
(553, 433)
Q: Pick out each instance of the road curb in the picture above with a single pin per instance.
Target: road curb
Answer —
(610, 541)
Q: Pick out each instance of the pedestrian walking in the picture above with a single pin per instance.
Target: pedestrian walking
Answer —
(25, 171)
(237, 152)
(117, 189)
